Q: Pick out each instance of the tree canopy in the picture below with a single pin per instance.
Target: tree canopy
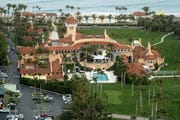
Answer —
(83, 106)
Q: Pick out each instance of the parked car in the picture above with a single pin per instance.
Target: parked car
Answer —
(67, 98)
(43, 117)
(12, 48)
(15, 117)
(3, 75)
(40, 96)
(3, 70)
(47, 98)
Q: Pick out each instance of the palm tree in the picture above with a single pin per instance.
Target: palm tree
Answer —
(78, 8)
(44, 101)
(109, 18)
(1, 11)
(94, 17)
(78, 14)
(8, 7)
(13, 6)
(64, 62)
(33, 7)
(4, 12)
(60, 10)
(131, 17)
(24, 7)
(86, 18)
(124, 69)
(79, 18)
(139, 82)
(116, 8)
(133, 117)
(133, 78)
(100, 72)
(146, 10)
(39, 8)
(38, 102)
(20, 7)
(67, 7)
(124, 8)
(72, 7)
(102, 17)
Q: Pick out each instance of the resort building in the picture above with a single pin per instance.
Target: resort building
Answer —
(46, 60)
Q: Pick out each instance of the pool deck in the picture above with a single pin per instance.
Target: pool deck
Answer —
(111, 77)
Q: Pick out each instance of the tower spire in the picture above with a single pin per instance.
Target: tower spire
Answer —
(149, 52)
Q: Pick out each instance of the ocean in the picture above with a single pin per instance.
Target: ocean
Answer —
(98, 6)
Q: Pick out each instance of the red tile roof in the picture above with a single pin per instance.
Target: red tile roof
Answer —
(150, 57)
(40, 14)
(51, 14)
(27, 14)
(67, 39)
(79, 45)
(71, 20)
(26, 50)
(62, 48)
(136, 68)
(26, 38)
(155, 53)
(117, 46)
(138, 13)
(35, 71)
(139, 52)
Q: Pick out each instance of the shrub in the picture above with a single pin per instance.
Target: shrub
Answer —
(51, 85)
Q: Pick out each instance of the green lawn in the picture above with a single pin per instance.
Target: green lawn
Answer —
(114, 97)
(123, 34)
(170, 49)
(126, 104)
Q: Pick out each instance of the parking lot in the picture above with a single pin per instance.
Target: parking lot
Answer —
(26, 105)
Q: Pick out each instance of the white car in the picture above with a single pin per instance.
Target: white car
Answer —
(15, 117)
(4, 75)
(67, 98)
(47, 98)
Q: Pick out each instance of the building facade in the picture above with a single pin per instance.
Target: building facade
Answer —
(45, 61)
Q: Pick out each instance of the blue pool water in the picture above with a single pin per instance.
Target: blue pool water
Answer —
(100, 77)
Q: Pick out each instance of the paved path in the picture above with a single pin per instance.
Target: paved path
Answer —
(164, 76)
(162, 38)
(126, 117)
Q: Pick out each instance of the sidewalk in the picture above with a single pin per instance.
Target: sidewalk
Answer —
(162, 38)
(126, 117)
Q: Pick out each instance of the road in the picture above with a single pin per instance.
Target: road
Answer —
(12, 69)
(26, 105)
(109, 27)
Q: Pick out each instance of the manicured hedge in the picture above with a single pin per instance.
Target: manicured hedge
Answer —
(51, 85)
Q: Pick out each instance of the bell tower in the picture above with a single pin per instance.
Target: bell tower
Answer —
(71, 25)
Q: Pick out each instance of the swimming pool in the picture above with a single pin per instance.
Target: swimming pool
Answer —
(100, 77)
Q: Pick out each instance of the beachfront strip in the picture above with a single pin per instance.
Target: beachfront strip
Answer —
(47, 60)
